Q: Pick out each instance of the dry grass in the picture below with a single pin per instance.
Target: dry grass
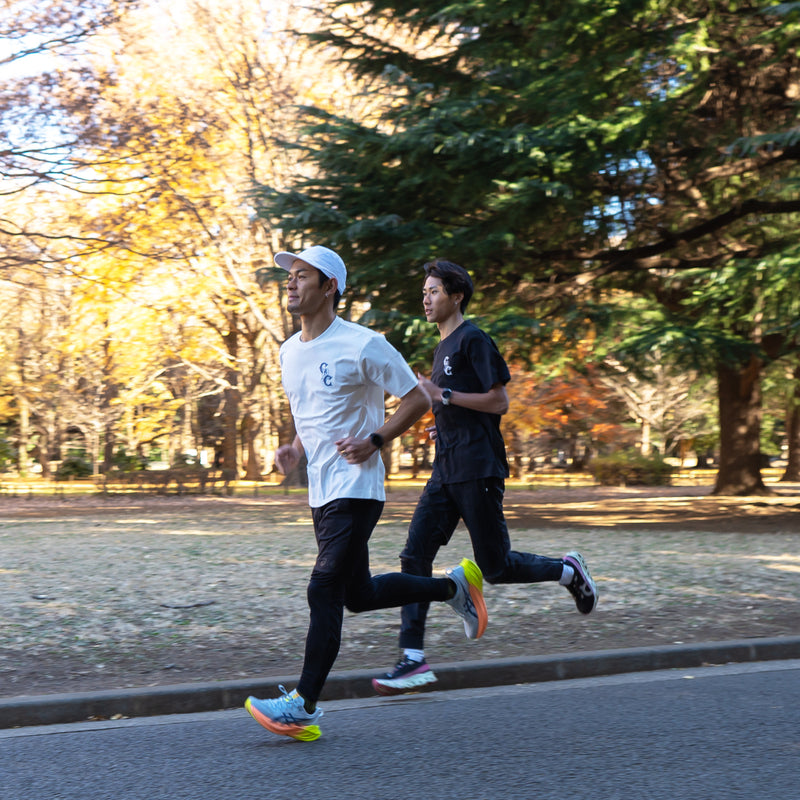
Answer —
(115, 592)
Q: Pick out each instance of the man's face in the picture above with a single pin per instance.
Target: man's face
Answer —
(437, 304)
(303, 290)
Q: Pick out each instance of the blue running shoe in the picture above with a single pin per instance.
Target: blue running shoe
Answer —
(286, 716)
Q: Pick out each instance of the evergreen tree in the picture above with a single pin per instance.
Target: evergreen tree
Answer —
(564, 152)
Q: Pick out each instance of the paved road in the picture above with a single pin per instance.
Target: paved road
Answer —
(718, 732)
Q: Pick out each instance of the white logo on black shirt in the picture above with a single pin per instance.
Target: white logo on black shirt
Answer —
(448, 370)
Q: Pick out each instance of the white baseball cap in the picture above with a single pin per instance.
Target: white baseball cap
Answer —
(323, 258)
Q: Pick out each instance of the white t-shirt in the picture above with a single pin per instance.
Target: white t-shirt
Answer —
(335, 385)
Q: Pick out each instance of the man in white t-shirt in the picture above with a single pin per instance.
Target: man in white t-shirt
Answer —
(335, 374)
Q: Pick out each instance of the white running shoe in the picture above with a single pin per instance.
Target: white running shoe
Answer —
(407, 676)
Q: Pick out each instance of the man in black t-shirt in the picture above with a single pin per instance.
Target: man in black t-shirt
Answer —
(467, 389)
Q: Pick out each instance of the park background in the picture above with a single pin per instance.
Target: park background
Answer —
(619, 177)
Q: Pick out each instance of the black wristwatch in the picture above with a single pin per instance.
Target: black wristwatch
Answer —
(376, 439)
(446, 395)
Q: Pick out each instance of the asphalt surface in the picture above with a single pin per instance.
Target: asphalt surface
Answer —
(723, 732)
(29, 710)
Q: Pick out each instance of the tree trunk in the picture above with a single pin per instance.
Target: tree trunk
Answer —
(94, 448)
(44, 452)
(109, 440)
(739, 392)
(230, 408)
(187, 441)
(230, 433)
(646, 443)
(792, 472)
(110, 393)
(24, 434)
(249, 435)
(703, 460)
(514, 452)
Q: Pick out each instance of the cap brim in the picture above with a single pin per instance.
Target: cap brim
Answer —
(285, 259)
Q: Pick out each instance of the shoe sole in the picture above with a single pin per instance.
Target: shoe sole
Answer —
(302, 733)
(575, 560)
(474, 578)
(388, 688)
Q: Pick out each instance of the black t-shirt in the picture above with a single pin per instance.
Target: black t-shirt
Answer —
(469, 444)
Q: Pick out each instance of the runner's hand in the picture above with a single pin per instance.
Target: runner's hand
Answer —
(286, 458)
(355, 451)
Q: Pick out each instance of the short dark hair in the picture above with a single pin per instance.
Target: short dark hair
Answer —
(322, 278)
(454, 278)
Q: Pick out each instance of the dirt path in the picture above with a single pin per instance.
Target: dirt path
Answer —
(116, 592)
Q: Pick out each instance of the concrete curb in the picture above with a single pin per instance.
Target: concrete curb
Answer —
(192, 698)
